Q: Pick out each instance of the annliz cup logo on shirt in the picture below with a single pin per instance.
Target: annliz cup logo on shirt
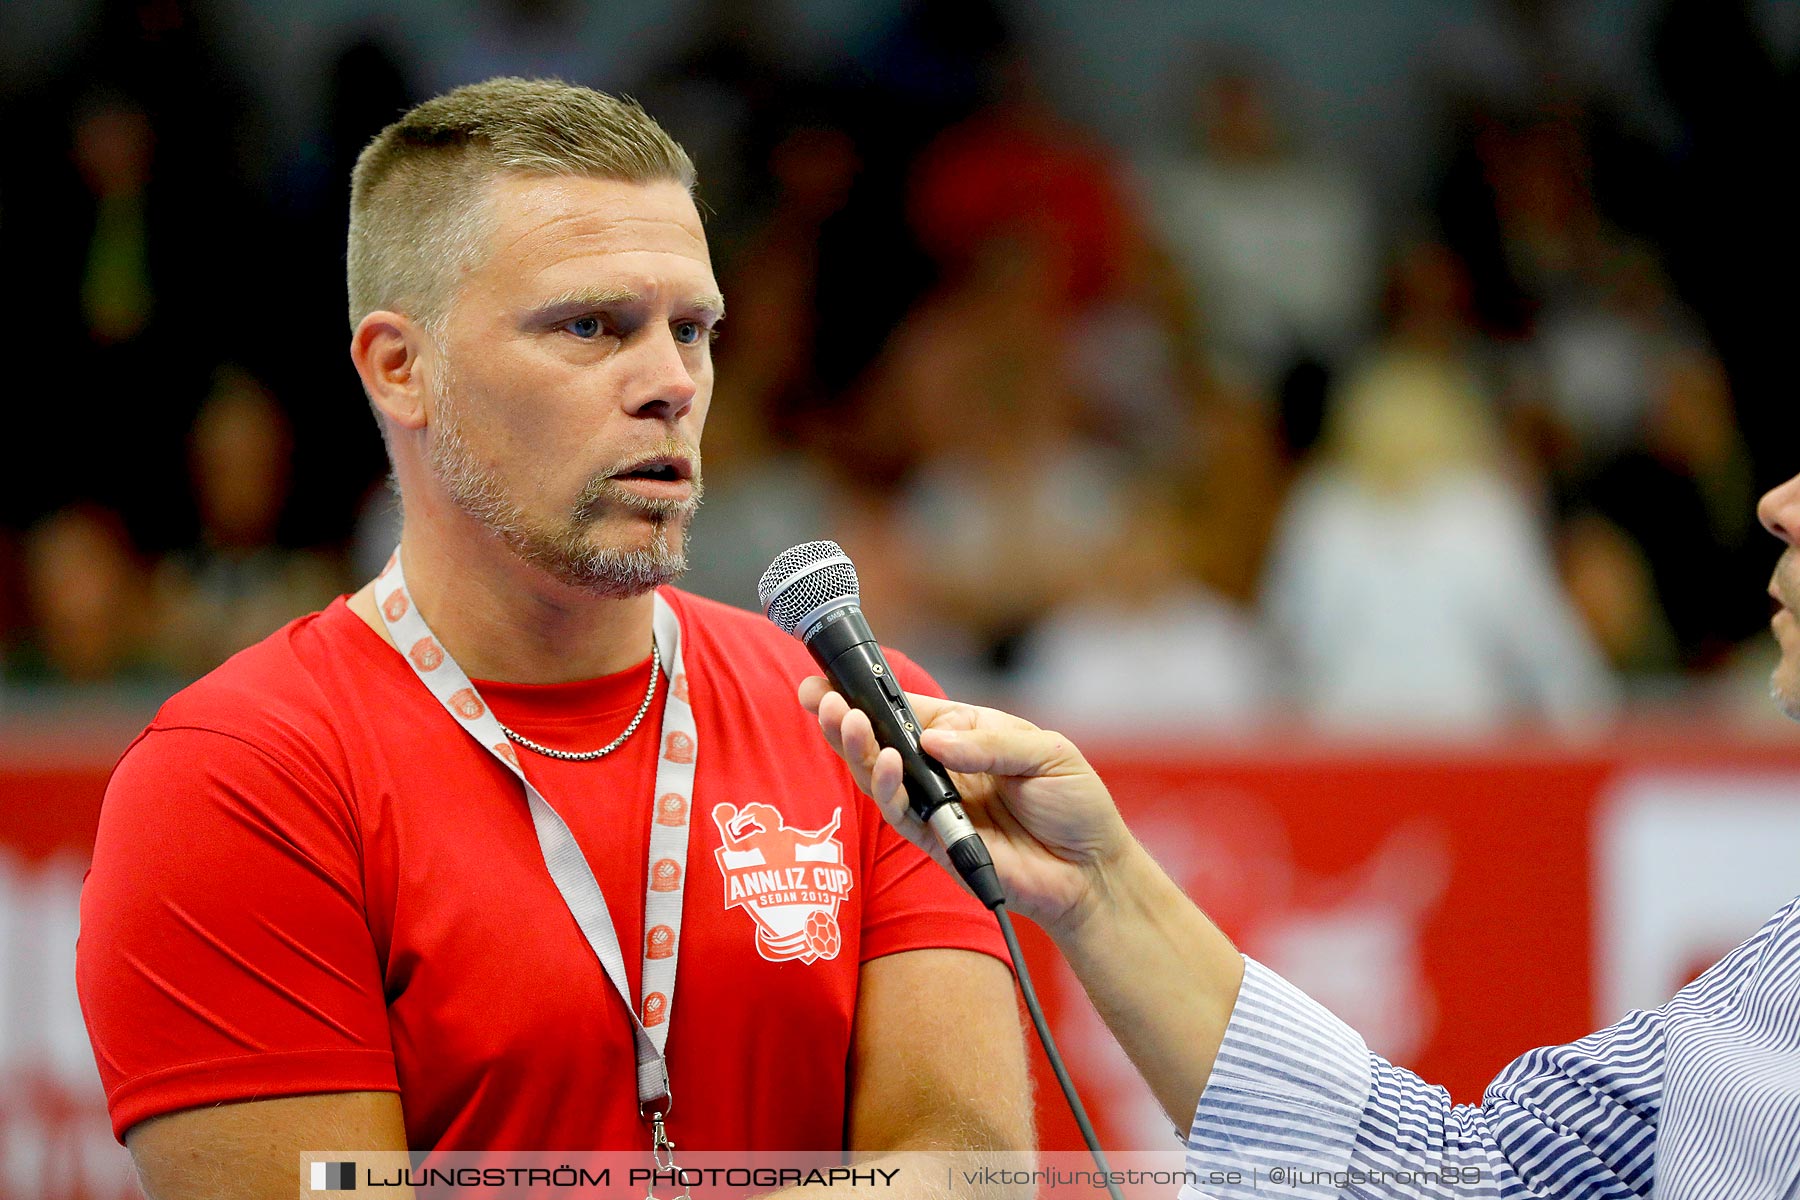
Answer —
(790, 881)
(333, 1176)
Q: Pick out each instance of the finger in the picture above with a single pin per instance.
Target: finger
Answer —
(878, 771)
(937, 713)
(818, 697)
(813, 689)
(955, 716)
(1028, 753)
(888, 790)
(934, 710)
(860, 746)
(887, 786)
(832, 711)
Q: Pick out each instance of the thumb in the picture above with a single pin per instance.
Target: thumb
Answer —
(1022, 753)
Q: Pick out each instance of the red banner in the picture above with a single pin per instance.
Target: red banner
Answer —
(1458, 906)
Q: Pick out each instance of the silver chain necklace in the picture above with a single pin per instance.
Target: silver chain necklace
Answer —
(602, 752)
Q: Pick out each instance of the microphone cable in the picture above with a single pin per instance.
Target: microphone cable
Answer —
(1023, 973)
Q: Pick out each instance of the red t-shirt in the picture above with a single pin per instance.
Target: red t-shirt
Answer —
(309, 878)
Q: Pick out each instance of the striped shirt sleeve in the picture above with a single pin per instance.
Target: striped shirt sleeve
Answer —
(1297, 1106)
(1287, 1092)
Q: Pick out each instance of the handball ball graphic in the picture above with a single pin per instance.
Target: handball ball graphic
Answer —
(822, 934)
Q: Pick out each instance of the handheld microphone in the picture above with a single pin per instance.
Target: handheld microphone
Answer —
(811, 591)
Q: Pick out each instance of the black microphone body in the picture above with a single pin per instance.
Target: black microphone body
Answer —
(851, 658)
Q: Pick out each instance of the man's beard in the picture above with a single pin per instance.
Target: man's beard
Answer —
(1783, 690)
(564, 550)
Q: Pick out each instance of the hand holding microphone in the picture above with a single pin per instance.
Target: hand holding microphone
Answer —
(811, 591)
(1047, 819)
(1004, 803)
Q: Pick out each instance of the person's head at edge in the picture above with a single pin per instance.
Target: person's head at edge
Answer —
(1779, 511)
(533, 305)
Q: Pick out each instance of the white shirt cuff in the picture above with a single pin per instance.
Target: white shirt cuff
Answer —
(1286, 1097)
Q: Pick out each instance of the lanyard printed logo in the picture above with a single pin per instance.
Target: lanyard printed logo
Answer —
(791, 882)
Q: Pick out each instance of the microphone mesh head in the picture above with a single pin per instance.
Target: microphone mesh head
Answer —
(804, 578)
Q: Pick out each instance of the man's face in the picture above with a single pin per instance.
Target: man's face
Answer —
(1780, 514)
(575, 374)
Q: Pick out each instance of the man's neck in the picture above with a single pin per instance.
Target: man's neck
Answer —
(505, 620)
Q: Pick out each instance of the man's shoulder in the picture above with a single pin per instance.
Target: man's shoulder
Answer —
(716, 614)
(748, 636)
(261, 732)
(270, 690)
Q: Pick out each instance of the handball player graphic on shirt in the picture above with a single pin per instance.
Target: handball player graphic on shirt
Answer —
(789, 881)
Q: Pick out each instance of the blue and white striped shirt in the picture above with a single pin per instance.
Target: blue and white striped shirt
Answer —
(1699, 1099)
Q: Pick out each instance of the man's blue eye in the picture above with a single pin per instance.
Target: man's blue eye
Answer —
(689, 333)
(584, 327)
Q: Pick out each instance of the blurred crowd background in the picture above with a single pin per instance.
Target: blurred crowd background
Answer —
(1400, 365)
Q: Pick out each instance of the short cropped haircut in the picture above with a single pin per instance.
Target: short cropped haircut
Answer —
(417, 211)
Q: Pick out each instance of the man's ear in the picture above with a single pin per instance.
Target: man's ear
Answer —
(389, 351)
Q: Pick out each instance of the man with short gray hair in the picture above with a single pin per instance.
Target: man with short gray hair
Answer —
(424, 870)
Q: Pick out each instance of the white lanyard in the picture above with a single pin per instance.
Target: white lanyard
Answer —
(666, 876)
